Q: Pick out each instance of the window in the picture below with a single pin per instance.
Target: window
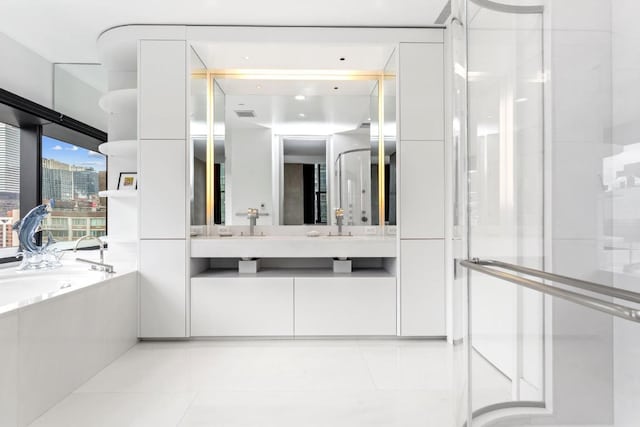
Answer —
(9, 188)
(29, 131)
(72, 176)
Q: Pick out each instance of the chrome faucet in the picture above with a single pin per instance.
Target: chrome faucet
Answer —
(252, 215)
(94, 265)
(339, 219)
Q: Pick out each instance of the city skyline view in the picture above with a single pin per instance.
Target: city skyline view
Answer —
(72, 154)
(72, 176)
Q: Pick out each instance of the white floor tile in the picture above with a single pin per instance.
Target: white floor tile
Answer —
(320, 409)
(411, 365)
(267, 383)
(117, 410)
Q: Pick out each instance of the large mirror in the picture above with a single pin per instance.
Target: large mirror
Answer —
(294, 147)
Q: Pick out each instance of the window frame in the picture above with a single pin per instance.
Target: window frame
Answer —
(34, 121)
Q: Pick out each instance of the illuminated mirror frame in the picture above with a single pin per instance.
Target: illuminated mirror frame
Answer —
(211, 75)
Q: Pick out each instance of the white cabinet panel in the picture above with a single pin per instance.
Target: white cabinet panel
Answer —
(162, 83)
(422, 288)
(163, 288)
(345, 306)
(422, 189)
(421, 91)
(242, 306)
(162, 189)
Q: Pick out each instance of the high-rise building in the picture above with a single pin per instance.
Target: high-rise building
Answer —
(57, 184)
(85, 184)
(9, 159)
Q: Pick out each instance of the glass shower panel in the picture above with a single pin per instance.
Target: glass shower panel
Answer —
(505, 202)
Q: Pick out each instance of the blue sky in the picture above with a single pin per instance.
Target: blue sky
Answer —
(71, 154)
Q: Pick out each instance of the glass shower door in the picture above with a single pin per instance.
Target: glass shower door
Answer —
(505, 161)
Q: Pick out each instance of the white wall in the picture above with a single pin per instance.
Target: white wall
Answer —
(25, 73)
(31, 76)
(77, 99)
(250, 164)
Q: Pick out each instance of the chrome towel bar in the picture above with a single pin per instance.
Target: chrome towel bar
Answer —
(489, 267)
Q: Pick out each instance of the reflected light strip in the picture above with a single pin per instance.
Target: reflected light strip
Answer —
(381, 159)
(330, 75)
(210, 165)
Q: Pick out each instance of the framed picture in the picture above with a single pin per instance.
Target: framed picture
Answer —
(128, 181)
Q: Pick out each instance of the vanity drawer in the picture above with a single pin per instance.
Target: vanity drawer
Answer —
(345, 305)
(242, 306)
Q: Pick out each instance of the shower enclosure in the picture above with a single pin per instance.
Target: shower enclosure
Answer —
(353, 175)
(545, 130)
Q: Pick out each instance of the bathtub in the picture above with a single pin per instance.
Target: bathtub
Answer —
(58, 328)
(22, 288)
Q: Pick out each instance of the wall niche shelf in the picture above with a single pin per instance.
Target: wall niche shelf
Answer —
(119, 101)
(123, 148)
(119, 193)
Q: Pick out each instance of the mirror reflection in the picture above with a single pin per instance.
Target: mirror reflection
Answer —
(296, 150)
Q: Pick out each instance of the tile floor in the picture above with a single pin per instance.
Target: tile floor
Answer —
(267, 383)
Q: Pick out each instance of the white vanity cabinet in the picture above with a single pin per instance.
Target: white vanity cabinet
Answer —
(229, 304)
(364, 304)
(293, 302)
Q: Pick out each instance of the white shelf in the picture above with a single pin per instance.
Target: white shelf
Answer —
(119, 101)
(119, 193)
(123, 148)
(362, 273)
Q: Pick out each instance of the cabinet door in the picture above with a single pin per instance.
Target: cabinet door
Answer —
(163, 89)
(421, 91)
(163, 288)
(422, 288)
(345, 306)
(162, 189)
(241, 306)
(422, 189)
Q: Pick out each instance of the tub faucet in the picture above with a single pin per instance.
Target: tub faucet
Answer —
(252, 215)
(339, 219)
(94, 265)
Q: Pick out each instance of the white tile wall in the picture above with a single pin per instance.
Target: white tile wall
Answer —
(9, 369)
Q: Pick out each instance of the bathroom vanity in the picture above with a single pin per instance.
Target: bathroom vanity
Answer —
(197, 168)
(295, 292)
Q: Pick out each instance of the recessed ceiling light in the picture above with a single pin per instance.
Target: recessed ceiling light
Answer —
(258, 87)
(343, 58)
(300, 97)
(301, 115)
(335, 88)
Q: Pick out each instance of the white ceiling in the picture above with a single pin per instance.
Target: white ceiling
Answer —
(66, 30)
(296, 87)
(294, 56)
